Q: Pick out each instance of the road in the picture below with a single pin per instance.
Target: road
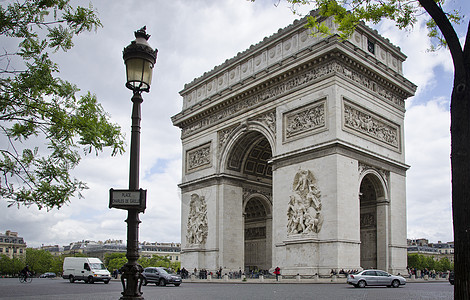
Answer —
(52, 289)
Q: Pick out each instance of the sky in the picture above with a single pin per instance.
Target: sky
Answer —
(193, 37)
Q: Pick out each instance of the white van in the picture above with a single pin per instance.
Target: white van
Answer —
(88, 269)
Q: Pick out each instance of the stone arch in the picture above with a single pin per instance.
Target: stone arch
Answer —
(242, 135)
(374, 220)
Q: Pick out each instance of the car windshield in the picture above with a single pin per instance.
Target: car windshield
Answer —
(167, 271)
(97, 266)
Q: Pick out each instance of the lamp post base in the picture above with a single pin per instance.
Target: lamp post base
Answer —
(131, 280)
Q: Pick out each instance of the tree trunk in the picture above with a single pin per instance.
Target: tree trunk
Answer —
(460, 160)
(460, 147)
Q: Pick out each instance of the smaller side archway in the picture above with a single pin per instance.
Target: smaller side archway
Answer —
(257, 215)
(374, 221)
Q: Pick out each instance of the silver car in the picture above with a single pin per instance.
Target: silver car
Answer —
(375, 277)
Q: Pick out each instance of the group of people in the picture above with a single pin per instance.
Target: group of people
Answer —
(343, 272)
(430, 273)
(203, 273)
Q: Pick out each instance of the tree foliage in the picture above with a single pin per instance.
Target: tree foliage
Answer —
(39, 261)
(42, 120)
(114, 261)
(10, 266)
(421, 262)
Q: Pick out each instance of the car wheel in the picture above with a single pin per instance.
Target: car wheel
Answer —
(395, 283)
(106, 281)
(144, 282)
(361, 284)
(162, 282)
(90, 279)
(71, 279)
(177, 284)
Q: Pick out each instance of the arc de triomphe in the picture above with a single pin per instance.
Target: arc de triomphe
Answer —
(293, 156)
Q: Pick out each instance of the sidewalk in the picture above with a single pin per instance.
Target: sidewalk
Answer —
(296, 279)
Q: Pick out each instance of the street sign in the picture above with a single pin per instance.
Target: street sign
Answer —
(128, 199)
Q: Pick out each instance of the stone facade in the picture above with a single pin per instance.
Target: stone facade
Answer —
(294, 153)
(12, 245)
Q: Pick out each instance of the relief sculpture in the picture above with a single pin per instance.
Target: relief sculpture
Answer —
(370, 125)
(198, 158)
(304, 210)
(197, 220)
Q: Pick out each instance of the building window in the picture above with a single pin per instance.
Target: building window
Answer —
(1, 250)
(21, 251)
(371, 46)
(7, 250)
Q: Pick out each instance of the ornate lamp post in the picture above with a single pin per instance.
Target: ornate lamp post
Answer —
(139, 58)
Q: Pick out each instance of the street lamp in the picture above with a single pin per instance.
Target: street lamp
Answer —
(139, 58)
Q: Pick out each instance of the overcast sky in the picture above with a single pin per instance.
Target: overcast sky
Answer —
(193, 37)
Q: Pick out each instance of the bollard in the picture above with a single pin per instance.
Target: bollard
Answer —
(261, 278)
(209, 277)
(225, 277)
(297, 278)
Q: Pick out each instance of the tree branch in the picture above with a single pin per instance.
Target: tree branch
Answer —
(449, 34)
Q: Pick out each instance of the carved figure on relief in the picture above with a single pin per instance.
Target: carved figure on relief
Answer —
(308, 119)
(304, 210)
(367, 124)
(197, 220)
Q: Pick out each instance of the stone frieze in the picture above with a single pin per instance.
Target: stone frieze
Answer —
(304, 120)
(362, 121)
(298, 80)
(198, 158)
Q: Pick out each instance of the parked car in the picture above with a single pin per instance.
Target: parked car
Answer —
(375, 277)
(160, 276)
(451, 277)
(48, 275)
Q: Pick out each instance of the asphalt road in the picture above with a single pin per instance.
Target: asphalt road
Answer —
(52, 289)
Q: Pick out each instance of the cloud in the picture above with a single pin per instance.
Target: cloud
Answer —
(428, 180)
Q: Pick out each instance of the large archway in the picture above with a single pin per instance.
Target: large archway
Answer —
(373, 222)
(249, 159)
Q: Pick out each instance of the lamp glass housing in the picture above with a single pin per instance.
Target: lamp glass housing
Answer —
(139, 73)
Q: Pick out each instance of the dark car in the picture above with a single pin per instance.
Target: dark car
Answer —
(48, 275)
(375, 277)
(160, 276)
(451, 278)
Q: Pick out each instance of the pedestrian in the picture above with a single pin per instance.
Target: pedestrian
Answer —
(277, 272)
